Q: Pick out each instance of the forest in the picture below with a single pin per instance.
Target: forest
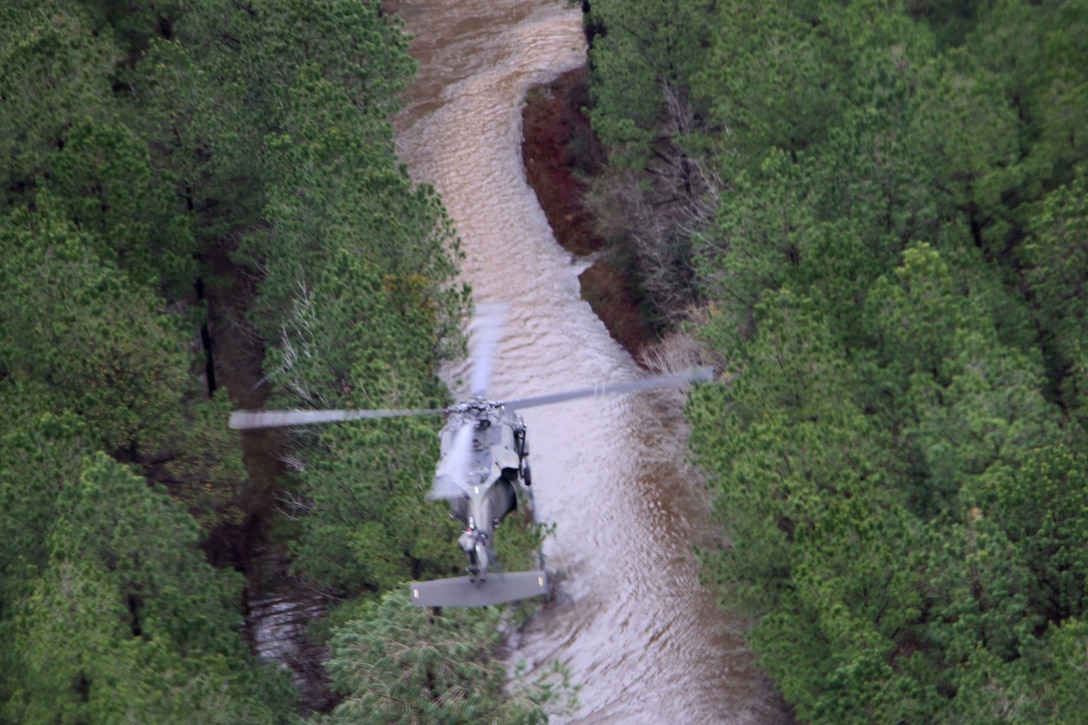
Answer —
(871, 215)
(169, 168)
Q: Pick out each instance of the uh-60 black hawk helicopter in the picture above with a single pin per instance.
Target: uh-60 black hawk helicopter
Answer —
(483, 470)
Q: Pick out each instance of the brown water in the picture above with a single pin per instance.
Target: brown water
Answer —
(629, 619)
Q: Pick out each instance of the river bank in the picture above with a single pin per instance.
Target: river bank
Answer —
(560, 153)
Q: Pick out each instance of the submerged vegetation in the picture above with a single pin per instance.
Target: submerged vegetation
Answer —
(874, 213)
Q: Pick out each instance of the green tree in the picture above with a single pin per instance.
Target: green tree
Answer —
(971, 145)
(914, 314)
(405, 664)
(358, 300)
(103, 182)
(647, 47)
(1039, 505)
(370, 525)
(348, 345)
(818, 542)
(761, 230)
(1038, 54)
(341, 190)
(991, 413)
(892, 278)
(770, 82)
(1068, 645)
(126, 620)
(80, 326)
(54, 69)
(211, 94)
(1057, 251)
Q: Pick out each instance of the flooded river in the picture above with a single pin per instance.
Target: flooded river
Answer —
(629, 619)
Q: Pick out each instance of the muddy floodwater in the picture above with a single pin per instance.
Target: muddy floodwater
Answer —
(629, 618)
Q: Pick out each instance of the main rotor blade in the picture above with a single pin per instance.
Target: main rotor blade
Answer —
(487, 330)
(692, 375)
(451, 478)
(248, 419)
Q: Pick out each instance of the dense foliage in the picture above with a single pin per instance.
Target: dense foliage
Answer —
(402, 664)
(894, 273)
(150, 152)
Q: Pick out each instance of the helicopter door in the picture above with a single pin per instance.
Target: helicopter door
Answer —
(502, 498)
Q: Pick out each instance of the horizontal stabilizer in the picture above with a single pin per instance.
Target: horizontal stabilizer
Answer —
(462, 592)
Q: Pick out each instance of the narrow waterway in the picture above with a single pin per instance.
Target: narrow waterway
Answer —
(629, 619)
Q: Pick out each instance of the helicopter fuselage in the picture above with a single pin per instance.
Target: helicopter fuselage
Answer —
(497, 476)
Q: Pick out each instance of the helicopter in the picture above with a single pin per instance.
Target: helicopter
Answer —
(483, 469)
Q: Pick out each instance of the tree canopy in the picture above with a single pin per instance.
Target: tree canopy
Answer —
(150, 152)
(893, 275)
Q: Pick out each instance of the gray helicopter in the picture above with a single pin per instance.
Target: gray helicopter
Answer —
(483, 469)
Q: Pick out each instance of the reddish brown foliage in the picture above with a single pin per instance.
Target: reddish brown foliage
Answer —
(559, 144)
